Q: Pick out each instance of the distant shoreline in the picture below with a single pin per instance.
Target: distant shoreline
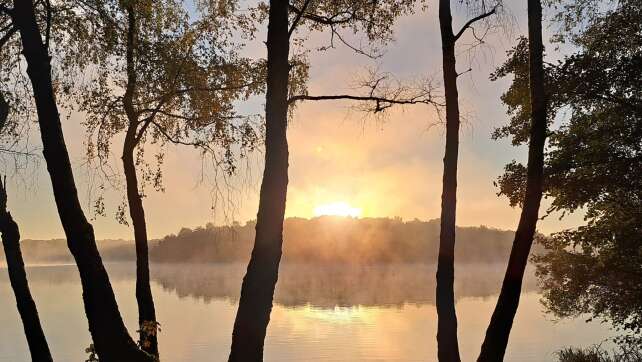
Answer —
(322, 240)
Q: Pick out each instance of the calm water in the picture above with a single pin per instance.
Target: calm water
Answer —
(337, 313)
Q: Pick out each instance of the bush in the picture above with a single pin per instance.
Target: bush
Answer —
(598, 354)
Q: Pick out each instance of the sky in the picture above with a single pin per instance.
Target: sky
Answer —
(382, 167)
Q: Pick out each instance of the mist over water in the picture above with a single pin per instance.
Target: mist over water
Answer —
(322, 312)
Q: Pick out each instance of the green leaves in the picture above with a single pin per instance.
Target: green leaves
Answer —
(593, 164)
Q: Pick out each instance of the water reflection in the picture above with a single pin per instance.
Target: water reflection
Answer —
(320, 286)
(322, 313)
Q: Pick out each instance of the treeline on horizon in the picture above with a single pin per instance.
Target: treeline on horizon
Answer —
(325, 239)
(333, 239)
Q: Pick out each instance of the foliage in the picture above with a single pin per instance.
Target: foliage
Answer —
(592, 165)
(149, 329)
(169, 77)
(16, 150)
(598, 354)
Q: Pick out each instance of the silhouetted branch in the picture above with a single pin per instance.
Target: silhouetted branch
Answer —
(383, 94)
(381, 103)
(298, 18)
(172, 139)
(473, 20)
(325, 20)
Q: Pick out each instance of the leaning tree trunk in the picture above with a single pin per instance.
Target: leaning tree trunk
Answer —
(148, 326)
(447, 346)
(257, 291)
(494, 346)
(146, 311)
(36, 340)
(110, 337)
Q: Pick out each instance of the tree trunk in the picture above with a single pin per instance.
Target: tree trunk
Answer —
(111, 340)
(257, 291)
(36, 340)
(148, 326)
(494, 346)
(146, 310)
(447, 345)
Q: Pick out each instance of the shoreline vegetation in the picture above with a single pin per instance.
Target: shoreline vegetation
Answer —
(325, 239)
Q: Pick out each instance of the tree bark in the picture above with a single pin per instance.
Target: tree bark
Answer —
(36, 340)
(447, 344)
(257, 291)
(148, 326)
(496, 340)
(111, 339)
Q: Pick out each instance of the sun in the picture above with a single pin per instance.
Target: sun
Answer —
(339, 208)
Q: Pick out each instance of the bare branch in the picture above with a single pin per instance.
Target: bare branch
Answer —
(473, 20)
(383, 92)
(381, 103)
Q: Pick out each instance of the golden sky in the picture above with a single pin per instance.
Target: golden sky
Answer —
(388, 167)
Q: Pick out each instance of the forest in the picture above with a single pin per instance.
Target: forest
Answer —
(331, 239)
(148, 78)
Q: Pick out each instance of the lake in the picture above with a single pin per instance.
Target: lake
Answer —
(321, 313)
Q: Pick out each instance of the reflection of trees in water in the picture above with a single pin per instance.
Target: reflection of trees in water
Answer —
(327, 286)
(323, 286)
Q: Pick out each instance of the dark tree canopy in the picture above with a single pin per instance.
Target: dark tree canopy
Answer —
(593, 165)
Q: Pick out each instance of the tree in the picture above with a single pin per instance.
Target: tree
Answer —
(36, 340)
(285, 86)
(447, 345)
(162, 78)
(111, 340)
(498, 331)
(592, 165)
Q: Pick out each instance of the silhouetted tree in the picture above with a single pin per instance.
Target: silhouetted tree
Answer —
(592, 163)
(447, 345)
(111, 340)
(163, 78)
(36, 340)
(285, 85)
(496, 339)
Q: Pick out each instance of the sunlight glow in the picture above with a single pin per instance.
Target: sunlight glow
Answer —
(340, 208)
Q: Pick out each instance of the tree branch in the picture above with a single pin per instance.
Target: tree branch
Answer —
(171, 139)
(5, 38)
(323, 19)
(381, 103)
(473, 20)
(298, 18)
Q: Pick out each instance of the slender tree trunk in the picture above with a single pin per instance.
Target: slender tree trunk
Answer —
(257, 291)
(111, 340)
(147, 323)
(38, 346)
(146, 310)
(494, 346)
(36, 340)
(447, 345)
